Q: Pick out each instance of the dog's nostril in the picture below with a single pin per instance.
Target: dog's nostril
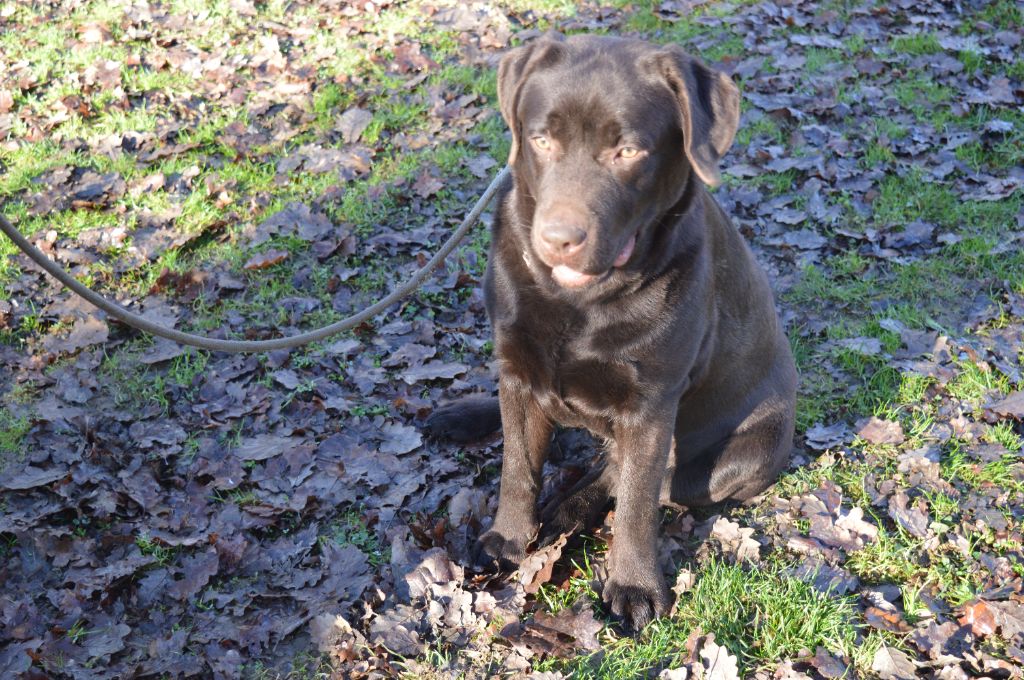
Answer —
(562, 236)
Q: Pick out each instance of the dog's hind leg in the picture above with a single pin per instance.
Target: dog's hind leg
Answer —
(737, 469)
(465, 420)
(581, 507)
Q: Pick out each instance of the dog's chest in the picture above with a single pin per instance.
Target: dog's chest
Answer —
(577, 379)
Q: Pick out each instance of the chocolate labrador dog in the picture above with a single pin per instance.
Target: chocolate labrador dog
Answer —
(623, 301)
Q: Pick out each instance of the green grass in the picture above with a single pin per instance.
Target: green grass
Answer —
(1005, 434)
(163, 554)
(905, 198)
(579, 585)
(765, 126)
(889, 559)
(351, 529)
(1004, 14)
(916, 44)
(919, 93)
(975, 381)
(760, 614)
(13, 429)
(820, 59)
(239, 497)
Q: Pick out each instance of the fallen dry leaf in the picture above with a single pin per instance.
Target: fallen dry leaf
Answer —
(914, 518)
(536, 569)
(892, 664)
(886, 620)
(829, 666)
(352, 124)
(719, 663)
(878, 431)
(85, 332)
(1012, 406)
(398, 438)
(266, 259)
(29, 477)
(821, 437)
(979, 617)
(561, 635)
(736, 542)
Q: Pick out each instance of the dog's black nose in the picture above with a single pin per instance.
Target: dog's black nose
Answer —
(562, 237)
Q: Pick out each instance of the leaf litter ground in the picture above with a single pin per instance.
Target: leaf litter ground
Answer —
(246, 171)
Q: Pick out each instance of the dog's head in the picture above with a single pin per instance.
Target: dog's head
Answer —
(605, 135)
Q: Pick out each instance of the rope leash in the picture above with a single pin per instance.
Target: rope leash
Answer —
(135, 321)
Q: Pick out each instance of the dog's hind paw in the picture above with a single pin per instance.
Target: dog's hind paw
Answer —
(465, 420)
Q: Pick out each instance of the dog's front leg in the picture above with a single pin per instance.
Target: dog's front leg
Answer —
(635, 589)
(527, 433)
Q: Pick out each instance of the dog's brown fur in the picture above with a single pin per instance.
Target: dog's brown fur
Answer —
(624, 301)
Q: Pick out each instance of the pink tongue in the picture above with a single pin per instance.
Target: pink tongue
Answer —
(627, 250)
(569, 277)
(566, 276)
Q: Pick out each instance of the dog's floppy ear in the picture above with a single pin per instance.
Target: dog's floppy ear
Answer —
(513, 70)
(709, 107)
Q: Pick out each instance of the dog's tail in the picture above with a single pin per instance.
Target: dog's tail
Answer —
(465, 420)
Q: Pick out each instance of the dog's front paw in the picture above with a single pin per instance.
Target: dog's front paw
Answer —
(636, 604)
(493, 547)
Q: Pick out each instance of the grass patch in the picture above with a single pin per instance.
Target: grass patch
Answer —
(948, 572)
(13, 429)
(351, 529)
(908, 197)
(761, 614)
(821, 59)
(975, 381)
(916, 44)
(163, 554)
(763, 127)
(922, 96)
(1004, 14)
(555, 598)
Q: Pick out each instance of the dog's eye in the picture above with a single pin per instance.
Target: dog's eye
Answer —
(629, 152)
(541, 142)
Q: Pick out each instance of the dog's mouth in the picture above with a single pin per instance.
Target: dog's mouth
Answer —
(568, 277)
